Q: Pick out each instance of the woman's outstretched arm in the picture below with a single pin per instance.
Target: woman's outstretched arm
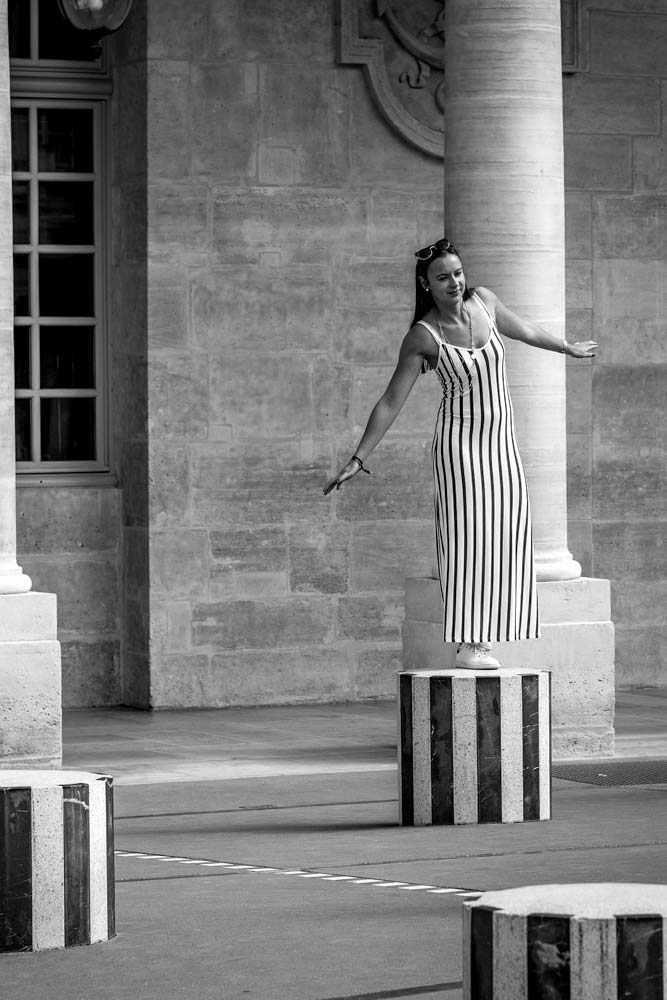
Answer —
(516, 328)
(414, 349)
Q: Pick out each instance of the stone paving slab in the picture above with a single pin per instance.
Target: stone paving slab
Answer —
(230, 939)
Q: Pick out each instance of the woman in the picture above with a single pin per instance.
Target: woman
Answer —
(482, 512)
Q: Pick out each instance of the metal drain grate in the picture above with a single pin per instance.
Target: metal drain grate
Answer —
(635, 771)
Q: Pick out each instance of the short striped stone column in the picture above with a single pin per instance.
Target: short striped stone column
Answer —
(474, 746)
(56, 859)
(603, 941)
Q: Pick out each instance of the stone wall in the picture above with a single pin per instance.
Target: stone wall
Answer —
(282, 217)
(263, 217)
(88, 544)
(68, 540)
(616, 178)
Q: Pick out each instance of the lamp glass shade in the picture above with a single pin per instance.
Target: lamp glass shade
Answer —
(96, 15)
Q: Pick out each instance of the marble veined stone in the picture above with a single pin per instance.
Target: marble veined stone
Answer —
(474, 746)
(56, 859)
(588, 941)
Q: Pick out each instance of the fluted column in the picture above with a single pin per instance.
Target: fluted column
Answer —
(504, 208)
(12, 580)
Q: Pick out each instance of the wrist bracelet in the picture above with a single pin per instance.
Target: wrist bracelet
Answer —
(355, 458)
(564, 348)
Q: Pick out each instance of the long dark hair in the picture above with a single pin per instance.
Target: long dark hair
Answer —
(424, 299)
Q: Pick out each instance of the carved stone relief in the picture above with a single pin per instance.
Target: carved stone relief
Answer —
(401, 46)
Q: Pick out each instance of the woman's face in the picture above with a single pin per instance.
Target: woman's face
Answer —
(446, 279)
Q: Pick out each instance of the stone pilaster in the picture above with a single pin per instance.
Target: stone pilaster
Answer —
(30, 708)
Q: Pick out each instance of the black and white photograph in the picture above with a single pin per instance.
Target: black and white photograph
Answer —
(333, 520)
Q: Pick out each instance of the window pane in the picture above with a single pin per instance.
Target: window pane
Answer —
(58, 39)
(21, 209)
(22, 412)
(21, 284)
(68, 430)
(19, 29)
(67, 357)
(66, 285)
(65, 140)
(22, 357)
(66, 212)
(20, 139)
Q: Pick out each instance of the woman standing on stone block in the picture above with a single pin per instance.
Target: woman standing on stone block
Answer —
(482, 512)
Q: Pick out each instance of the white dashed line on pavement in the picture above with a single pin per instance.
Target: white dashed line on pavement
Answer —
(377, 883)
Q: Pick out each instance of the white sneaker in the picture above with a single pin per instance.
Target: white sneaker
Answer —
(476, 656)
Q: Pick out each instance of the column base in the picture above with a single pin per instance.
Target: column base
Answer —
(556, 566)
(12, 578)
(577, 646)
(30, 682)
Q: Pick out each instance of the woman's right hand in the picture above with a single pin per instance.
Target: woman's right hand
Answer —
(347, 472)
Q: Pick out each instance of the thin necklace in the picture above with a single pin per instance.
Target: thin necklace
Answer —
(472, 342)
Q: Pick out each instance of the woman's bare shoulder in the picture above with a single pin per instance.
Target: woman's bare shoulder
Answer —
(418, 334)
(417, 343)
(488, 297)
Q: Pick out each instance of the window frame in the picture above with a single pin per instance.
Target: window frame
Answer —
(65, 84)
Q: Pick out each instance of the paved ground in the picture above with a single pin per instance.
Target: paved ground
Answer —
(259, 857)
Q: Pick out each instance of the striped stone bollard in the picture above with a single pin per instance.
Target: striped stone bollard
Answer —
(597, 941)
(474, 746)
(56, 859)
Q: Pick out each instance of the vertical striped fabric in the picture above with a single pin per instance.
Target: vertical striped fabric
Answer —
(574, 942)
(482, 512)
(474, 746)
(56, 859)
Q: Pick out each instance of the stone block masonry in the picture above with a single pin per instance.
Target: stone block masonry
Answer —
(279, 288)
(30, 707)
(263, 220)
(72, 548)
(616, 245)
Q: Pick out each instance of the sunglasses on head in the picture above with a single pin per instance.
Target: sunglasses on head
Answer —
(442, 246)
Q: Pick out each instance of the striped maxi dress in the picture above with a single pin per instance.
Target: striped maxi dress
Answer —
(482, 511)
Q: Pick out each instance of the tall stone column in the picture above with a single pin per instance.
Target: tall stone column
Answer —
(504, 207)
(30, 709)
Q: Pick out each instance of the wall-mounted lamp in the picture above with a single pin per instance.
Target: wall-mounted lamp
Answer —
(98, 16)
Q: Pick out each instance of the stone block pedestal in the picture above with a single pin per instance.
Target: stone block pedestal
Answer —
(474, 746)
(576, 646)
(56, 859)
(585, 942)
(30, 682)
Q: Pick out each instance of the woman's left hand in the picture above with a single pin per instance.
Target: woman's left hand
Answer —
(582, 349)
(349, 470)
